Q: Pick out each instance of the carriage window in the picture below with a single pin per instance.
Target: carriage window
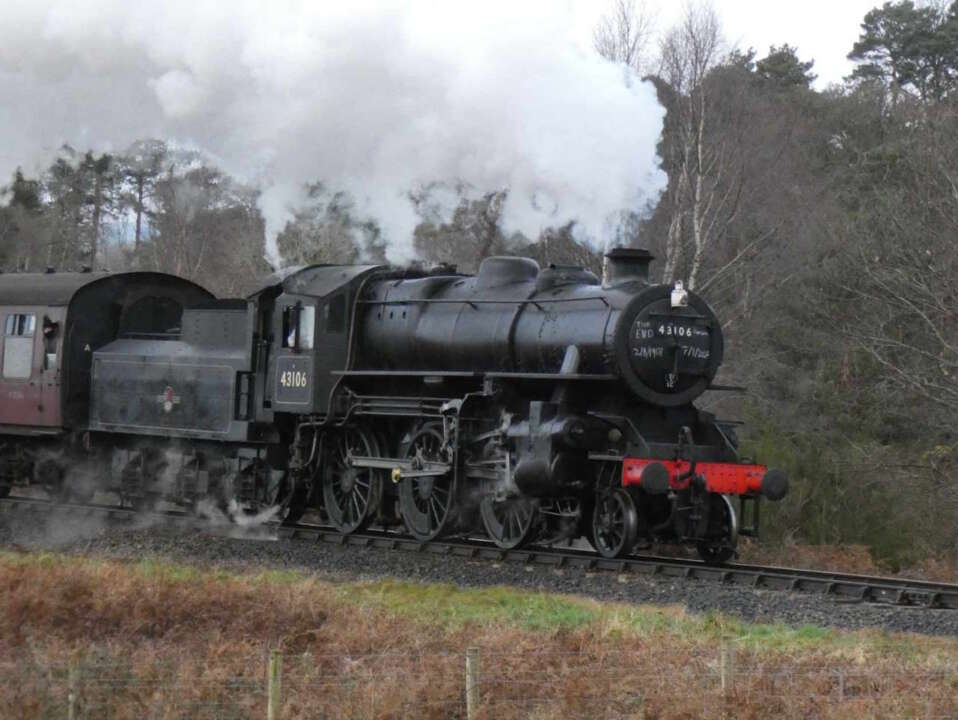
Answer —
(18, 345)
(336, 314)
(21, 325)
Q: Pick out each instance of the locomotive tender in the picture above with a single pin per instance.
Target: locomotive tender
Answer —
(529, 404)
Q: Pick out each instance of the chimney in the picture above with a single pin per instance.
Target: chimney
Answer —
(624, 265)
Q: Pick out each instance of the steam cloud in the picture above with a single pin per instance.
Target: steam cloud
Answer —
(374, 97)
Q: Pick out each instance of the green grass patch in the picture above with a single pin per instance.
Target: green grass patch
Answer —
(451, 606)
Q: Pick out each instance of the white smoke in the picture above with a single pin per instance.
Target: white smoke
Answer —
(374, 97)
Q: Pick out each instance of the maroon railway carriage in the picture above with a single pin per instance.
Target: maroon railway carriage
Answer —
(52, 323)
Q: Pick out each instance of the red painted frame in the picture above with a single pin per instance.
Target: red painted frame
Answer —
(720, 477)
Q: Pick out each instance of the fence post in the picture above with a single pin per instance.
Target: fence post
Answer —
(274, 686)
(841, 686)
(73, 678)
(472, 683)
(727, 666)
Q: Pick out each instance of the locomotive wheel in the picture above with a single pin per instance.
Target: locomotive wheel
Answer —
(615, 523)
(720, 547)
(351, 495)
(427, 504)
(509, 523)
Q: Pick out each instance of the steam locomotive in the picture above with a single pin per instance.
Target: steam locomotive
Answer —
(526, 404)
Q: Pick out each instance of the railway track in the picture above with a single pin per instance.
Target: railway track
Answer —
(843, 587)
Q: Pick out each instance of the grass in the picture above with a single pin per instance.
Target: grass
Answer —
(449, 607)
(166, 639)
(848, 558)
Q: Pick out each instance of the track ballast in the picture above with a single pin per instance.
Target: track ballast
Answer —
(844, 587)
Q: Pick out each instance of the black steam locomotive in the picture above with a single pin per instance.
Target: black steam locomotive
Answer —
(529, 404)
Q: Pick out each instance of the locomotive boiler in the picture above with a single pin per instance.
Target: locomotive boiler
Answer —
(663, 343)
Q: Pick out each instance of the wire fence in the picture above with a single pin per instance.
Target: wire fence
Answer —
(473, 685)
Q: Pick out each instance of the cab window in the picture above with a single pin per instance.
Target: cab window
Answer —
(299, 326)
(307, 326)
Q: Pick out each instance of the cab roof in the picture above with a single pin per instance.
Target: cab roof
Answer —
(314, 280)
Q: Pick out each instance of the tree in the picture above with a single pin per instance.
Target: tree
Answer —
(689, 52)
(783, 68)
(25, 193)
(910, 48)
(558, 246)
(66, 189)
(623, 34)
(99, 182)
(207, 227)
(80, 192)
(24, 227)
(472, 234)
(323, 231)
(139, 169)
(901, 265)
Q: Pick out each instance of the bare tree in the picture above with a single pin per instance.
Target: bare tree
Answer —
(323, 230)
(624, 33)
(701, 197)
(465, 239)
(902, 268)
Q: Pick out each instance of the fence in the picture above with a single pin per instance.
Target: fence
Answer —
(478, 686)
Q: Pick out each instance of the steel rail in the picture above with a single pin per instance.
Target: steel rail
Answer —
(842, 587)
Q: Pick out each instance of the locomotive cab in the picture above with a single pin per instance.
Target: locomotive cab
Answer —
(306, 316)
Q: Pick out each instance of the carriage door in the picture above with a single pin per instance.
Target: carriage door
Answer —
(49, 346)
(22, 386)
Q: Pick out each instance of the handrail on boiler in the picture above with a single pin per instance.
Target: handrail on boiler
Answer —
(474, 303)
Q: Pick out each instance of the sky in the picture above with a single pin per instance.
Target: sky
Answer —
(822, 30)
(405, 105)
(381, 98)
